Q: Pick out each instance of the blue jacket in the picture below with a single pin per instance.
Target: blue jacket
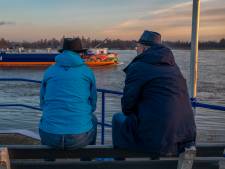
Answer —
(67, 96)
(157, 105)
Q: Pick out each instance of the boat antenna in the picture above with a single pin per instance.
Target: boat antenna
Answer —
(101, 43)
(194, 49)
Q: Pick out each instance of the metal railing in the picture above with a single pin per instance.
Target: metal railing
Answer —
(194, 102)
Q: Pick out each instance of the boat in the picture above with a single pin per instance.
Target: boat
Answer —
(100, 57)
(93, 57)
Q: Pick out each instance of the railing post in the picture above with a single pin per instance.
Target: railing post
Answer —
(194, 104)
(194, 49)
(103, 119)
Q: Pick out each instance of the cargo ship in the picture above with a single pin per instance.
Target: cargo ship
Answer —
(94, 57)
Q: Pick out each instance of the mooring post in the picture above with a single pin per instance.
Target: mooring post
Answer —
(4, 158)
(186, 158)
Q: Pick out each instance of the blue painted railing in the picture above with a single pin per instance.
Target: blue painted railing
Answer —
(194, 102)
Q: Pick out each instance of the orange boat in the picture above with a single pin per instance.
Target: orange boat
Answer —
(100, 63)
(100, 57)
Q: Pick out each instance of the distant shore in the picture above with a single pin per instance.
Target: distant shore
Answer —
(113, 44)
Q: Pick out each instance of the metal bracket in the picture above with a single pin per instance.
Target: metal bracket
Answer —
(4, 158)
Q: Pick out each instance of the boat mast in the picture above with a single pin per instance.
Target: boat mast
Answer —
(101, 43)
(194, 49)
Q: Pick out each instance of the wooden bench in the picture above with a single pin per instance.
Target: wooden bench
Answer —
(207, 156)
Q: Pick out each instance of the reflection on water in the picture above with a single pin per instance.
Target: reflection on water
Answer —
(211, 89)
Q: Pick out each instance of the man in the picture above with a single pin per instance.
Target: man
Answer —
(68, 99)
(157, 115)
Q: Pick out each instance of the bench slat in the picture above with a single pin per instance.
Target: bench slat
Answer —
(56, 153)
(162, 164)
(210, 151)
(39, 151)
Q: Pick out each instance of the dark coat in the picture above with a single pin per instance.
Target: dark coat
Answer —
(157, 104)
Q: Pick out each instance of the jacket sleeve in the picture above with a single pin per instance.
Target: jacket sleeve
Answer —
(132, 90)
(93, 97)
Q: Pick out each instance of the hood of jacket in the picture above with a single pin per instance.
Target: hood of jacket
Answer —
(156, 55)
(69, 59)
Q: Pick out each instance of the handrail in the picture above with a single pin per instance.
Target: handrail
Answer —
(20, 105)
(109, 91)
(20, 79)
(208, 106)
(103, 92)
(196, 104)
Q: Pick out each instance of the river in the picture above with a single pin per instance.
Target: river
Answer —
(211, 89)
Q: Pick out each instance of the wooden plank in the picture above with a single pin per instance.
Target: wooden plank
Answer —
(155, 164)
(202, 145)
(167, 164)
(57, 153)
(39, 151)
(206, 164)
(210, 150)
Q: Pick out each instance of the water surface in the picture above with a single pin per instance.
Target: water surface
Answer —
(211, 89)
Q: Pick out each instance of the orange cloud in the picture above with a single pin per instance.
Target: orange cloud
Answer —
(174, 23)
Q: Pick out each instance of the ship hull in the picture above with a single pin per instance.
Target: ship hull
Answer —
(30, 60)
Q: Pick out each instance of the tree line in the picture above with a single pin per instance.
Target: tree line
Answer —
(107, 43)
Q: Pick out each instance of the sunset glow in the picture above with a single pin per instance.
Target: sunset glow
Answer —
(32, 20)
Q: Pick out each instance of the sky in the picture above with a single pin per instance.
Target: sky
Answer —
(32, 20)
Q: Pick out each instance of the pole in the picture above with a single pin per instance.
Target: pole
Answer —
(194, 49)
(103, 119)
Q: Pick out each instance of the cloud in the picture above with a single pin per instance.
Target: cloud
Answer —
(183, 5)
(2, 23)
(174, 22)
(174, 7)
